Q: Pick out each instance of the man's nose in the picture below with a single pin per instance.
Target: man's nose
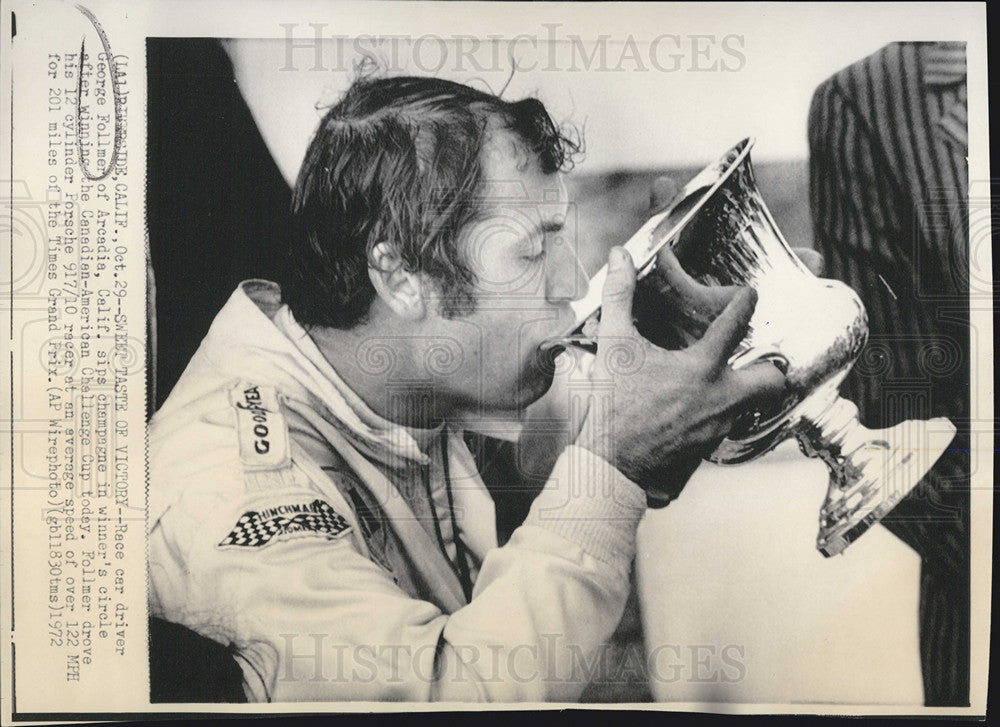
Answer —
(565, 278)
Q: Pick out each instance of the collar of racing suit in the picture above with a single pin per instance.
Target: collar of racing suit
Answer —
(256, 338)
(241, 340)
(302, 362)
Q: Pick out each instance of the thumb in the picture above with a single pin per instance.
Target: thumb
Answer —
(616, 296)
(664, 190)
(811, 259)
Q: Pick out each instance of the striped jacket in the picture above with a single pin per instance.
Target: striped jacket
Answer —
(888, 190)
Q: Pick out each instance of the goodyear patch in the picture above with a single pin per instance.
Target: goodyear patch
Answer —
(262, 430)
(294, 519)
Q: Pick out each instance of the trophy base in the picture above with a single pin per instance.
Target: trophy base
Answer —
(871, 471)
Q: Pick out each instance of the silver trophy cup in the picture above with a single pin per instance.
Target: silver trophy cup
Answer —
(813, 329)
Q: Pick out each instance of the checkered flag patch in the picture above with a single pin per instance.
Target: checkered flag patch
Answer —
(256, 529)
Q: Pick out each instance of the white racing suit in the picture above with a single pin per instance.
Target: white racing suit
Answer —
(329, 548)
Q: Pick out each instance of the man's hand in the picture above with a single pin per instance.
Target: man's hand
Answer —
(656, 413)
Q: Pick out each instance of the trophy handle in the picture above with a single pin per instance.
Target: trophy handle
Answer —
(871, 471)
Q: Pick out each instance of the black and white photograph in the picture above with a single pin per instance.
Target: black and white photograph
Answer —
(453, 354)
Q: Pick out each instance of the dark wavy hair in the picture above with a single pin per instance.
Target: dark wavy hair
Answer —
(397, 160)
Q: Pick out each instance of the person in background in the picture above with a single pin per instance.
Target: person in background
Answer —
(888, 144)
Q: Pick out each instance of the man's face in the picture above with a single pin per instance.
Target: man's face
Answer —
(527, 273)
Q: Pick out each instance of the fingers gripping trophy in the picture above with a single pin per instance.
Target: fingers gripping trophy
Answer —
(718, 233)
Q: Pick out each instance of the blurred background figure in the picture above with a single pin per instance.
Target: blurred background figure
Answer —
(888, 147)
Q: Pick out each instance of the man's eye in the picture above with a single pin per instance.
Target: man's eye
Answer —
(536, 258)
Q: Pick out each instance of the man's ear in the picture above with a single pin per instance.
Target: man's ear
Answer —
(398, 289)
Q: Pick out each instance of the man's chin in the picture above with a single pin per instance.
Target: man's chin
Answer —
(510, 403)
(538, 377)
(528, 395)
